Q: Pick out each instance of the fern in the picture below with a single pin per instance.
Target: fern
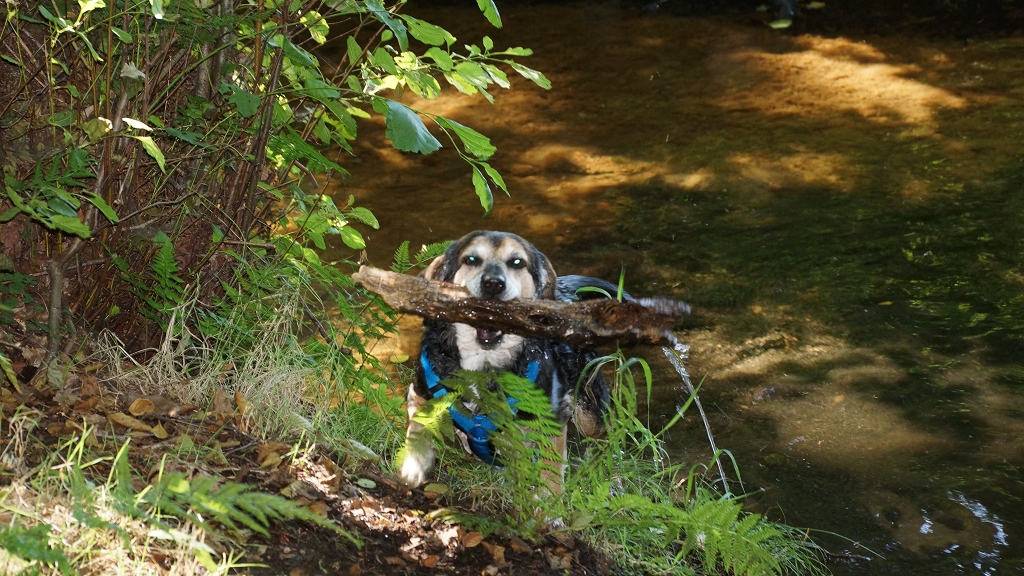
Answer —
(431, 251)
(36, 545)
(230, 504)
(401, 264)
(718, 530)
(168, 286)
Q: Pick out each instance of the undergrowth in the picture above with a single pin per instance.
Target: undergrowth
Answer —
(620, 493)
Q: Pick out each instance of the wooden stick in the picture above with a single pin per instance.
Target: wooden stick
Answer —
(588, 323)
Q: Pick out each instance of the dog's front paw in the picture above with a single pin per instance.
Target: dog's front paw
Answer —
(416, 468)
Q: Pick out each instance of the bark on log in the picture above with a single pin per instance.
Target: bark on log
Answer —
(588, 323)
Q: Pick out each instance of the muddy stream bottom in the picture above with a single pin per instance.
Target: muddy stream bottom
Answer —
(844, 211)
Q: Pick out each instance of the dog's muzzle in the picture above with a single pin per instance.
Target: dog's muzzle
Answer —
(488, 339)
(492, 285)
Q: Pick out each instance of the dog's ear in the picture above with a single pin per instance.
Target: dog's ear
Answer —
(435, 270)
(547, 279)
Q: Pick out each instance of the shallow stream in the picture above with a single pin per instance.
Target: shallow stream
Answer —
(844, 212)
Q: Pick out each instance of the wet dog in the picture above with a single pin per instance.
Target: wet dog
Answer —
(502, 266)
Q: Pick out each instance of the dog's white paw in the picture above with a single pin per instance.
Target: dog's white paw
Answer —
(416, 467)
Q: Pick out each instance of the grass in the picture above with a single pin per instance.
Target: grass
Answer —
(101, 504)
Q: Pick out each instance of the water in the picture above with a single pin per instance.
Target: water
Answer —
(842, 212)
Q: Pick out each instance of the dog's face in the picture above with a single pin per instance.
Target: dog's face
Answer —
(495, 266)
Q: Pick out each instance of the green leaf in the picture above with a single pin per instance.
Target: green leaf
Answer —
(100, 203)
(352, 238)
(136, 124)
(426, 32)
(474, 74)
(96, 128)
(460, 83)
(354, 50)
(406, 129)
(384, 60)
(441, 58)
(483, 191)
(90, 5)
(363, 215)
(7, 58)
(246, 104)
(490, 10)
(423, 84)
(495, 176)
(193, 138)
(321, 132)
(531, 74)
(518, 51)
(475, 143)
(497, 75)
(153, 150)
(317, 26)
(158, 8)
(122, 35)
(381, 13)
(8, 367)
(488, 43)
(295, 54)
(70, 224)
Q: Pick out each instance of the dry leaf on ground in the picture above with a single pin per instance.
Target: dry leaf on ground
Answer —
(129, 422)
(472, 540)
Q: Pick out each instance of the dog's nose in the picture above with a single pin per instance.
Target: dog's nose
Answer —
(492, 286)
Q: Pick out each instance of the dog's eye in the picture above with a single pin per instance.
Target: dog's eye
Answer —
(517, 263)
(471, 261)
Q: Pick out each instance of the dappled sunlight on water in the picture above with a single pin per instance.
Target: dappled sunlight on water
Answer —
(835, 76)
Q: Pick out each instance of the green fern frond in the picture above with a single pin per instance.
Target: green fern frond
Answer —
(431, 251)
(718, 530)
(401, 263)
(230, 504)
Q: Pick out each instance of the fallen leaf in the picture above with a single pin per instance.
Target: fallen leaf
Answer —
(319, 508)
(273, 460)
(355, 570)
(222, 404)
(430, 561)
(242, 403)
(141, 406)
(298, 572)
(497, 552)
(366, 483)
(184, 443)
(518, 545)
(395, 561)
(90, 386)
(490, 571)
(33, 356)
(159, 431)
(88, 404)
(472, 540)
(434, 490)
(129, 422)
(264, 450)
(216, 455)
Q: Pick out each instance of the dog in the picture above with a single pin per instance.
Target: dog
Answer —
(502, 266)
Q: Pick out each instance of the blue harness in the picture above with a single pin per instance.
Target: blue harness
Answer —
(479, 426)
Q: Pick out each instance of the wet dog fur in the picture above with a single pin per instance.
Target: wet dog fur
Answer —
(503, 266)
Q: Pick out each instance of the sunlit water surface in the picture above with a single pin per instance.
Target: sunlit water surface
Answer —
(845, 214)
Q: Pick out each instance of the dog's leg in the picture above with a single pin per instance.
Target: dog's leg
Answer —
(419, 446)
(554, 480)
